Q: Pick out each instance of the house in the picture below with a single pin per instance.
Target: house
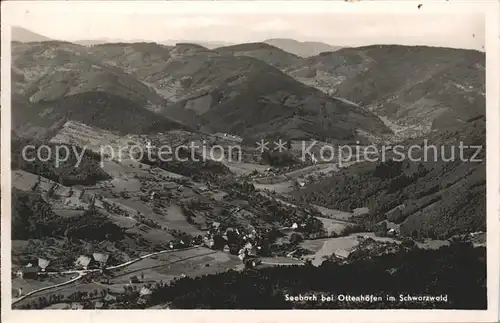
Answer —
(101, 258)
(243, 254)
(77, 306)
(210, 243)
(295, 225)
(248, 246)
(216, 225)
(342, 253)
(83, 262)
(393, 226)
(256, 262)
(98, 305)
(43, 263)
(226, 249)
(252, 262)
(27, 272)
(109, 298)
(145, 292)
(133, 280)
(252, 252)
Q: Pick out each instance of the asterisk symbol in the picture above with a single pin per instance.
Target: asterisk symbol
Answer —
(262, 145)
(280, 145)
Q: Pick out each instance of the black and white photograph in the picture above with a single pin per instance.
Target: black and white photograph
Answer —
(247, 160)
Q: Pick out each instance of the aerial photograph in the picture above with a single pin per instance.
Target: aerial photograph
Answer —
(248, 161)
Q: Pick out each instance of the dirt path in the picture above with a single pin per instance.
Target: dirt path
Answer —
(80, 275)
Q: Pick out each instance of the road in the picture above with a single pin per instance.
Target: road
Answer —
(18, 299)
(83, 272)
(282, 263)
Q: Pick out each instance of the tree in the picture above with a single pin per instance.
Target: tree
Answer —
(296, 238)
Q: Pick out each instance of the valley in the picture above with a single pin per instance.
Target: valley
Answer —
(114, 225)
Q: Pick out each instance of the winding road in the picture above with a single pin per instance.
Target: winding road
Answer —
(82, 273)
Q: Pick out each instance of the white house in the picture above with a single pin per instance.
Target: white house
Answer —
(43, 263)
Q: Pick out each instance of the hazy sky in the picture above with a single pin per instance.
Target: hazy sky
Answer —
(345, 29)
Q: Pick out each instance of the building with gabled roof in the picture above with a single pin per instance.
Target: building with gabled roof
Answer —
(109, 298)
(77, 306)
(145, 292)
(342, 253)
(83, 262)
(43, 263)
(101, 258)
(98, 305)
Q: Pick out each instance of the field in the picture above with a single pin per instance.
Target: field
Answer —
(168, 266)
(127, 201)
(29, 285)
(333, 214)
(333, 226)
(165, 267)
(64, 290)
(326, 247)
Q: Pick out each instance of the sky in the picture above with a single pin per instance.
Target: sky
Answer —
(341, 29)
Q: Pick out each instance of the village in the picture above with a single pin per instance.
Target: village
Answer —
(179, 224)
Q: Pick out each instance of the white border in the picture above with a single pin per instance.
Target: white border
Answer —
(491, 10)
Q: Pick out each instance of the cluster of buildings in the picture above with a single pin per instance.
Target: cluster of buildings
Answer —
(246, 242)
(228, 136)
(98, 260)
(31, 271)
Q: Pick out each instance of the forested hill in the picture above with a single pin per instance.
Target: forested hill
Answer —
(447, 271)
(428, 197)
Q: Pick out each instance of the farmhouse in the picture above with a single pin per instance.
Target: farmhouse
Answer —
(342, 253)
(109, 298)
(252, 262)
(145, 292)
(83, 262)
(101, 258)
(43, 263)
(77, 306)
(98, 305)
